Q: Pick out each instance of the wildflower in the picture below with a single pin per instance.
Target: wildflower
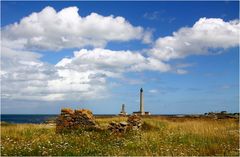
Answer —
(44, 153)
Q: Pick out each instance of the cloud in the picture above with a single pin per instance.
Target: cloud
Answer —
(132, 81)
(158, 16)
(84, 76)
(52, 30)
(207, 36)
(228, 86)
(112, 63)
(25, 77)
(181, 71)
(148, 37)
(153, 91)
(152, 15)
(184, 65)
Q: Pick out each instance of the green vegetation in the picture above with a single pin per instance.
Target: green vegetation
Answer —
(160, 136)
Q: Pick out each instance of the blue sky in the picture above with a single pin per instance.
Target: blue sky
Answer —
(197, 81)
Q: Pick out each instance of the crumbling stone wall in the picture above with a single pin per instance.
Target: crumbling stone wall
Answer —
(134, 122)
(74, 120)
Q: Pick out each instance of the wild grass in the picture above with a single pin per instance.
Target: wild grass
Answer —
(159, 137)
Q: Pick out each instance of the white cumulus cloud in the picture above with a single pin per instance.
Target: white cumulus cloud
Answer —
(85, 75)
(111, 63)
(25, 77)
(52, 30)
(208, 35)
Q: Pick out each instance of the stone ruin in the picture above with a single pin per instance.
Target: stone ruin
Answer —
(134, 122)
(70, 120)
(83, 119)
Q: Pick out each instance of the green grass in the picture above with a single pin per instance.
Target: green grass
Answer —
(179, 137)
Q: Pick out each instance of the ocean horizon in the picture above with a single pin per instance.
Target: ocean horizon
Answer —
(41, 118)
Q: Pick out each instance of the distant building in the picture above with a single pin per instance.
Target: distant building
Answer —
(223, 112)
(141, 112)
(123, 112)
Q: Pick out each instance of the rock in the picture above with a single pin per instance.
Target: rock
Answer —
(70, 120)
(133, 123)
(112, 123)
(66, 111)
(123, 123)
(135, 128)
(135, 120)
(84, 113)
(116, 127)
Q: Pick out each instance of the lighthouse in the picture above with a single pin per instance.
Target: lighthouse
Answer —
(141, 102)
(123, 112)
(141, 111)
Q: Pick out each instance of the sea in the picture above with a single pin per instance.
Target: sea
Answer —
(42, 118)
(26, 118)
(34, 118)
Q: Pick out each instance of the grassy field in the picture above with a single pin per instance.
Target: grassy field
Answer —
(160, 136)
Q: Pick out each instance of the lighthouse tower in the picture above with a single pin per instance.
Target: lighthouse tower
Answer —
(123, 112)
(141, 111)
(141, 102)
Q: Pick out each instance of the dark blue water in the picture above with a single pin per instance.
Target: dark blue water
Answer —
(38, 118)
(27, 118)
(33, 118)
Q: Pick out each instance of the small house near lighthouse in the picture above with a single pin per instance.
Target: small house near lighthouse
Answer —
(141, 111)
